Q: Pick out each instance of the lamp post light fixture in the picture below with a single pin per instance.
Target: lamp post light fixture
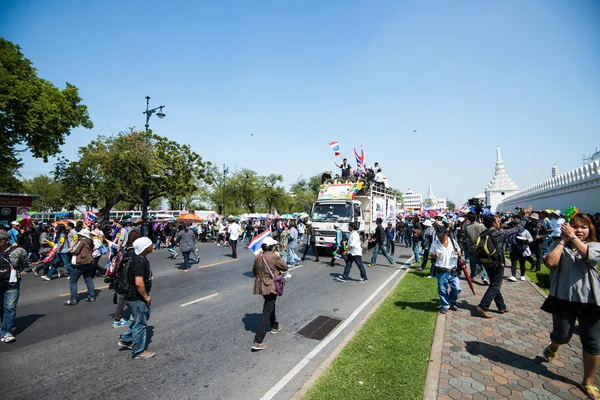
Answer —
(158, 110)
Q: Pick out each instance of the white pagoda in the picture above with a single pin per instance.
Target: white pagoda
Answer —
(500, 186)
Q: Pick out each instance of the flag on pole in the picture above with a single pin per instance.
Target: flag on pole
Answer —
(360, 160)
(275, 214)
(50, 255)
(256, 243)
(335, 147)
(90, 217)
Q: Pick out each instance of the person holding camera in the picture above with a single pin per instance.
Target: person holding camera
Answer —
(446, 253)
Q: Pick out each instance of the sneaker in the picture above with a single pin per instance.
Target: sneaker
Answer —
(392, 265)
(548, 354)
(258, 346)
(453, 307)
(302, 259)
(71, 302)
(317, 260)
(197, 260)
(483, 313)
(363, 281)
(175, 256)
(120, 323)
(523, 278)
(218, 244)
(128, 345)
(144, 355)
(486, 282)
(91, 299)
(35, 272)
(7, 338)
(275, 330)
(370, 265)
(512, 279)
(340, 279)
(503, 311)
(45, 278)
(429, 277)
(185, 270)
(442, 311)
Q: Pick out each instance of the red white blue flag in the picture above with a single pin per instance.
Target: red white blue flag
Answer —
(90, 217)
(256, 243)
(360, 160)
(335, 147)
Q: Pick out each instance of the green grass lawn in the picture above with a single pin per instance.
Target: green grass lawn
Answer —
(388, 357)
(542, 278)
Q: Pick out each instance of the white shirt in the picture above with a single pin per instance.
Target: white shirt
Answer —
(556, 226)
(448, 259)
(234, 231)
(354, 242)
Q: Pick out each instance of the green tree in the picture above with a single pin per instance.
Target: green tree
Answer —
(304, 193)
(450, 205)
(399, 197)
(33, 113)
(120, 168)
(51, 193)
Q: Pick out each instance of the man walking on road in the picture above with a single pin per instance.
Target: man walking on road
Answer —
(13, 260)
(311, 241)
(233, 231)
(354, 254)
(380, 245)
(471, 232)
(139, 278)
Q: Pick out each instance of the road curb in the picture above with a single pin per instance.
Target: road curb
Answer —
(432, 377)
(301, 392)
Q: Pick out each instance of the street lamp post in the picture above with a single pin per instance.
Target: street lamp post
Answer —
(225, 171)
(160, 114)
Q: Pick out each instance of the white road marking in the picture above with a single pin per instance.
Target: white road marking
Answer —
(294, 371)
(200, 299)
(293, 268)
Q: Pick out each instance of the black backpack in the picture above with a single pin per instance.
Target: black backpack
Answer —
(6, 267)
(486, 249)
(122, 284)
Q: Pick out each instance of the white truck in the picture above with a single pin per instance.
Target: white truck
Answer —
(351, 202)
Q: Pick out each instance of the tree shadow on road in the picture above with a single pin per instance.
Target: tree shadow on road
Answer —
(431, 305)
(251, 321)
(24, 322)
(500, 355)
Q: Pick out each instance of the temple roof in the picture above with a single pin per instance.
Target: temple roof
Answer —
(501, 181)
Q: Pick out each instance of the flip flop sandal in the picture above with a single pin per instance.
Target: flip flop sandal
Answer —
(548, 354)
(590, 391)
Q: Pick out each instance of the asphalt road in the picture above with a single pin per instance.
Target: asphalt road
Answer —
(202, 349)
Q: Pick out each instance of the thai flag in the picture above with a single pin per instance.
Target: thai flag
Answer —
(256, 243)
(275, 214)
(335, 147)
(360, 160)
(421, 208)
(90, 217)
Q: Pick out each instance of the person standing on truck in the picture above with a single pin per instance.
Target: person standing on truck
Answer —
(380, 245)
(346, 169)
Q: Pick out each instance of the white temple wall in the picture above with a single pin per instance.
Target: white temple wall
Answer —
(579, 187)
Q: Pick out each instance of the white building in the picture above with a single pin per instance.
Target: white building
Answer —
(501, 186)
(438, 203)
(412, 201)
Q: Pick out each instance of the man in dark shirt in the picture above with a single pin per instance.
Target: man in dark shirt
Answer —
(139, 277)
(311, 242)
(495, 270)
(380, 245)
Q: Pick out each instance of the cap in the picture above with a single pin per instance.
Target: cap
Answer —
(427, 222)
(141, 244)
(534, 216)
(14, 223)
(269, 241)
(85, 233)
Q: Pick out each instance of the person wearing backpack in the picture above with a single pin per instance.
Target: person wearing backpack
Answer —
(471, 232)
(120, 285)
(139, 284)
(488, 250)
(13, 260)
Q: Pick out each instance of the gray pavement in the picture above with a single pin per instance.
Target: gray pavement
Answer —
(203, 349)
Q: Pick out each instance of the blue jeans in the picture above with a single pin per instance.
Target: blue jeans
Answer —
(476, 267)
(384, 251)
(359, 264)
(186, 259)
(86, 270)
(172, 250)
(445, 279)
(157, 244)
(416, 246)
(64, 257)
(136, 333)
(292, 257)
(9, 297)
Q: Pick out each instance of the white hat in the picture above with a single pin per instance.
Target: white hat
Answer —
(14, 223)
(269, 241)
(141, 244)
(427, 222)
(309, 222)
(557, 212)
(84, 233)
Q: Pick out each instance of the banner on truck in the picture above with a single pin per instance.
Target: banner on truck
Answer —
(391, 210)
(378, 208)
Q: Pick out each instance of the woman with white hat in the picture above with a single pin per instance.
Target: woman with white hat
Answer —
(83, 264)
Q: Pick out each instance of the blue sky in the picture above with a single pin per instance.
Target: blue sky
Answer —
(467, 75)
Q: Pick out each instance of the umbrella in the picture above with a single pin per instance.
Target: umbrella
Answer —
(432, 213)
(303, 215)
(468, 276)
(164, 216)
(189, 218)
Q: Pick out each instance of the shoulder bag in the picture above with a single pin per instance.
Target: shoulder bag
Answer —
(278, 280)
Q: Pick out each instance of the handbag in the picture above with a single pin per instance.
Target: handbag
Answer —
(278, 280)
